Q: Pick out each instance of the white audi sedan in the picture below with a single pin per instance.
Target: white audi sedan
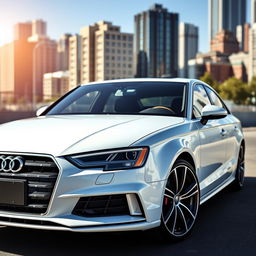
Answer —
(132, 154)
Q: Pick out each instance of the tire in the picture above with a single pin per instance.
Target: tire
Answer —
(180, 203)
(238, 183)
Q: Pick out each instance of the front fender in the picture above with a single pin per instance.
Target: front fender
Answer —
(166, 147)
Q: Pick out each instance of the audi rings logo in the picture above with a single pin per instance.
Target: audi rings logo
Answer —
(11, 163)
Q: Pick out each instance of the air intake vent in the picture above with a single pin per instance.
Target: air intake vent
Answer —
(39, 175)
(99, 206)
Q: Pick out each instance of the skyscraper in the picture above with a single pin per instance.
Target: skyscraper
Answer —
(107, 53)
(253, 11)
(16, 71)
(22, 30)
(252, 52)
(63, 52)
(188, 46)
(25, 60)
(74, 61)
(225, 15)
(44, 61)
(156, 43)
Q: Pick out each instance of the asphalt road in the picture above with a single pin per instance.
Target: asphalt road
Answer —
(226, 226)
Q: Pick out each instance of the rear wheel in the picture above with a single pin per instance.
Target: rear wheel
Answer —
(239, 181)
(180, 203)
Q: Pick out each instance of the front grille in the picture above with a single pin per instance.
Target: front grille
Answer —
(40, 174)
(99, 206)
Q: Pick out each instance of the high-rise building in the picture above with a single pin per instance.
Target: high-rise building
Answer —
(63, 52)
(55, 84)
(188, 46)
(106, 53)
(246, 37)
(39, 27)
(16, 71)
(253, 11)
(44, 61)
(225, 15)
(22, 30)
(39, 31)
(25, 60)
(242, 35)
(156, 43)
(74, 61)
(252, 52)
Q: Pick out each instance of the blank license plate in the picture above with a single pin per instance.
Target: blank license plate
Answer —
(12, 192)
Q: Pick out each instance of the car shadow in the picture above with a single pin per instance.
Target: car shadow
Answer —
(226, 226)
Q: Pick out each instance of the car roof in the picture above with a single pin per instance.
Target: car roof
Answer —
(178, 80)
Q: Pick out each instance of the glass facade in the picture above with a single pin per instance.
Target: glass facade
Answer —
(226, 15)
(156, 49)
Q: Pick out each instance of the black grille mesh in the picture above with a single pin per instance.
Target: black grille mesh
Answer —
(40, 174)
(99, 206)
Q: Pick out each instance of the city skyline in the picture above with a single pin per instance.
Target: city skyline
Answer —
(81, 14)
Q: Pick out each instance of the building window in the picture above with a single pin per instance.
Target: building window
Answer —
(107, 36)
(124, 44)
(124, 37)
(130, 38)
(113, 44)
(118, 37)
(113, 50)
(113, 37)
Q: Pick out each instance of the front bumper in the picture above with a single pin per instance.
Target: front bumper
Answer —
(74, 183)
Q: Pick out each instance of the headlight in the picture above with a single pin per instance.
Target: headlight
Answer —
(111, 160)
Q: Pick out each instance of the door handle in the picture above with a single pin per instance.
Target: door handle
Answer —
(223, 132)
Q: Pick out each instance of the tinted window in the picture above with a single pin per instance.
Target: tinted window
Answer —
(214, 98)
(154, 98)
(82, 104)
(200, 99)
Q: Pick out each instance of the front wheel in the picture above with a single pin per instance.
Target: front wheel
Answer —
(180, 202)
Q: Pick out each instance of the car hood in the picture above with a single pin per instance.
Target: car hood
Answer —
(70, 134)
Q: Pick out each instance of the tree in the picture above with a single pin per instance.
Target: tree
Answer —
(207, 78)
(252, 91)
(234, 89)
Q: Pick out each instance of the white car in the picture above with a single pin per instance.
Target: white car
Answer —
(132, 154)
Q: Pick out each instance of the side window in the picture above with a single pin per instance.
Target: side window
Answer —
(214, 98)
(200, 99)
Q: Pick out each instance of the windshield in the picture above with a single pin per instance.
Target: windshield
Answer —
(135, 98)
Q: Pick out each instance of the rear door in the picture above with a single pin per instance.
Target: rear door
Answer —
(213, 143)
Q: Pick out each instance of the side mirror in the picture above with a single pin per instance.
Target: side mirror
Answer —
(211, 112)
(41, 110)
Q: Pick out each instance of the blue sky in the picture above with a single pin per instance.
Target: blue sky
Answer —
(70, 15)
